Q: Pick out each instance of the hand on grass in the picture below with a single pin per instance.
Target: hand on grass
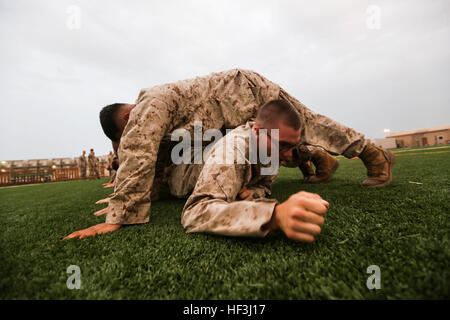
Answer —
(94, 230)
(300, 217)
(108, 185)
(106, 200)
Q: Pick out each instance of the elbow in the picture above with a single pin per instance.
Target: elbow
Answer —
(187, 222)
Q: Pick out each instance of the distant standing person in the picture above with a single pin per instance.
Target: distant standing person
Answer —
(110, 161)
(82, 162)
(93, 170)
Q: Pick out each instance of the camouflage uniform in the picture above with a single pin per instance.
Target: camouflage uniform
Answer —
(113, 176)
(220, 100)
(212, 207)
(181, 178)
(82, 166)
(93, 170)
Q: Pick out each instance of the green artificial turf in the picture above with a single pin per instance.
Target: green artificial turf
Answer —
(403, 229)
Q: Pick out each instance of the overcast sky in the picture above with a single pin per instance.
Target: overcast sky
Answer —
(368, 64)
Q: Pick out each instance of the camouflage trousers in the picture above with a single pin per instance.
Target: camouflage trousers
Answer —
(317, 130)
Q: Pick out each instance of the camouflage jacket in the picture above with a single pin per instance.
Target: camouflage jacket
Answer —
(82, 161)
(213, 208)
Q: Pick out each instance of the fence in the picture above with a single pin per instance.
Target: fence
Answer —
(17, 177)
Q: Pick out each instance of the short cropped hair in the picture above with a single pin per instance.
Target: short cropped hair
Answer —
(274, 111)
(107, 120)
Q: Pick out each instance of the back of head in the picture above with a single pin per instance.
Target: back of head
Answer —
(275, 111)
(107, 120)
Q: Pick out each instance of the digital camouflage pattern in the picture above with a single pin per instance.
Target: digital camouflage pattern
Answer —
(300, 153)
(82, 164)
(213, 208)
(220, 100)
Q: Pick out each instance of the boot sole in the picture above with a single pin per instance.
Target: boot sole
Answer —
(391, 160)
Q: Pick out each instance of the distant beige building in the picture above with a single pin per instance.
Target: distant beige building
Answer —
(423, 137)
(387, 143)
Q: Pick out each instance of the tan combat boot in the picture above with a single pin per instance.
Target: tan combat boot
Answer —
(379, 163)
(307, 169)
(326, 165)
